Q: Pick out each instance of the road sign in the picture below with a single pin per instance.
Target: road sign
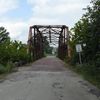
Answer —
(78, 48)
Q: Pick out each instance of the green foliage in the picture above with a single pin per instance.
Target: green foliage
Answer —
(3, 35)
(18, 52)
(11, 52)
(87, 30)
(89, 72)
(2, 69)
(47, 48)
(9, 67)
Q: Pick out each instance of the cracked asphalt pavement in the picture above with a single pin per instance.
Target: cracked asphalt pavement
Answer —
(47, 79)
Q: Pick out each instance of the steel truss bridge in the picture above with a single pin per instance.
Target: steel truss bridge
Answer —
(56, 34)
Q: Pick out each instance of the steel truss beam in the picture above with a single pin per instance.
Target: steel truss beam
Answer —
(55, 33)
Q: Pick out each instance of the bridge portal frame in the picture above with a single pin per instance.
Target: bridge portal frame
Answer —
(36, 40)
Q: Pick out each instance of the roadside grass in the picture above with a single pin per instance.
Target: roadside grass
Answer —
(5, 69)
(3, 76)
(88, 72)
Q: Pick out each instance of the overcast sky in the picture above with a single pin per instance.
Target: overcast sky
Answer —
(17, 15)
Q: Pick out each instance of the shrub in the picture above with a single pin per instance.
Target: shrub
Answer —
(2, 69)
(9, 67)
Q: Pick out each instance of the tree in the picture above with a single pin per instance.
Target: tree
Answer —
(4, 42)
(93, 39)
(11, 51)
(47, 48)
(87, 30)
(3, 35)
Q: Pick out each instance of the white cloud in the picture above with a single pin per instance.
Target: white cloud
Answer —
(42, 21)
(61, 10)
(7, 5)
(37, 2)
(16, 29)
(57, 11)
(44, 12)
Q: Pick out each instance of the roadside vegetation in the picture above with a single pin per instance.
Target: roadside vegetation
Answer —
(12, 53)
(15, 53)
(87, 31)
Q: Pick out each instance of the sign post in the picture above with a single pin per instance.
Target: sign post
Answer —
(79, 50)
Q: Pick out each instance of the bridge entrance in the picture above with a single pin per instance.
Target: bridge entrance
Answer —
(56, 34)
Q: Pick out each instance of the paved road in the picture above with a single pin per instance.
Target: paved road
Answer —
(46, 79)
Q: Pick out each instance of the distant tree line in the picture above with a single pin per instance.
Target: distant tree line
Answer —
(47, 48)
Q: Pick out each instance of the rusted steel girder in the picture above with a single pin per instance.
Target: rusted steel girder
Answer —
(36, 39)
